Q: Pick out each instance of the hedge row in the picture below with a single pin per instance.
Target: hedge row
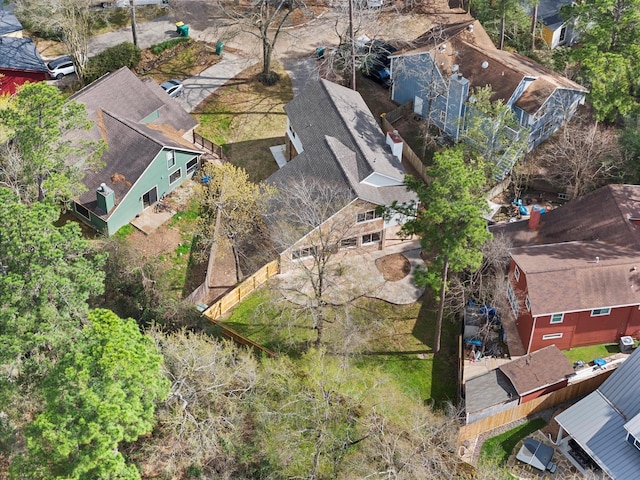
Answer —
(123, 55)
(161, 47)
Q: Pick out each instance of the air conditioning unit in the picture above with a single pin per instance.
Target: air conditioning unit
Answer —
(626, 344)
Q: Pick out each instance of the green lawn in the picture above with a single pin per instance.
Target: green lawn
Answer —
(398, 338)
(246, 118)
(587, 354)
(497, 449)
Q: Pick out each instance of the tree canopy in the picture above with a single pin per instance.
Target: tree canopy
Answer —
(99, 394)
(449, 222)
(231, 206)
(47, 274)
(608, 54)
(45, 164)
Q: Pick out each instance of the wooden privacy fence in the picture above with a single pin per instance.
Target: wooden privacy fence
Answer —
(407, 153)
(242, 340)
(534, 406)
(234, 297)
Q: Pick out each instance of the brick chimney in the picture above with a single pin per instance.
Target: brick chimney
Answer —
(394, 140)
(534, 217)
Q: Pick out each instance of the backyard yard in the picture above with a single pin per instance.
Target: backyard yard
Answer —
(247, 117)
(395, 340)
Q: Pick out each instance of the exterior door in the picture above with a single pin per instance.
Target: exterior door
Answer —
(150, 198)
(417, 105)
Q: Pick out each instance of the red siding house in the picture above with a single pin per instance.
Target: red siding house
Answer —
(577, 280)
(20, 62)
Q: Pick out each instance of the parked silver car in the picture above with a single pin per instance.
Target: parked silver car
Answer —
(60, 67)
(173, 87)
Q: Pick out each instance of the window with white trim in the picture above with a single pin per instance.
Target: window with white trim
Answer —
(171, 158)
(516, 273)
(551, 336)
(513, 300)
(371, 238)
(368, 216)
(599, 312)
(557, 318)
(304, 253)
(192, 165)
(175, 176)
(527, 303)
(349, 242)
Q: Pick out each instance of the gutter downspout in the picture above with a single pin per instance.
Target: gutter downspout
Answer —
(535, 319)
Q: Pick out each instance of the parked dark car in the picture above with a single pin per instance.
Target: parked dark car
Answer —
(376, 61)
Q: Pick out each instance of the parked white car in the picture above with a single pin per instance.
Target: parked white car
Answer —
(60, 67)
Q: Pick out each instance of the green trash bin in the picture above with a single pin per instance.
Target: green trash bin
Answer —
(320, 52)
(183, 30)
(219, 46)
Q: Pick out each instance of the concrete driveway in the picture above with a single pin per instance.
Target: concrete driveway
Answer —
(196, 88)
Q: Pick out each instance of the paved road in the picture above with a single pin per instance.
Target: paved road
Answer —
(197, 88)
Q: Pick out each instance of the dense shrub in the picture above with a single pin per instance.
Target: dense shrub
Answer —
(123, 55)
(158, 48)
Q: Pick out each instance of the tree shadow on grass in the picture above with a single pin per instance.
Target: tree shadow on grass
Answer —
(444, 371)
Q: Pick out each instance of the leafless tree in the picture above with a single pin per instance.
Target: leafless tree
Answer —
(581, 157)
(309, 225)
(72, 19)
(486, 285)
(202, 422)
(265, 20)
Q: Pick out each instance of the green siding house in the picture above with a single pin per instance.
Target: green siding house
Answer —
(149, 151)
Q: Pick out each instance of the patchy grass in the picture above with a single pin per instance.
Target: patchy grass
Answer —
(587, 354)
(183, 58)
(246, 118)
(498, 449)
(398, 343)
(125, 231)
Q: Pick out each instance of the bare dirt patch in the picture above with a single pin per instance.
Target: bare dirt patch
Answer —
(393, 267)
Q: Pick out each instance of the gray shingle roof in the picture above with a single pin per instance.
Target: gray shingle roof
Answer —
(487, 390)
(549, 12)
(20, 54)
(342, 144)
(8, 22)
(469, 49)
(598, 421)
(117, 103)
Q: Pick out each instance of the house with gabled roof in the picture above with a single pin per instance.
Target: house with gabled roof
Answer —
(574, 279)
(20, 62)
(605, 425)
(442, 67)
(149, 151)
(556, 29)
(516, 382)
(10, 26)
(333, 138)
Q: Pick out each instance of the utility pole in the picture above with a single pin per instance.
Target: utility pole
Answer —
(133, 22)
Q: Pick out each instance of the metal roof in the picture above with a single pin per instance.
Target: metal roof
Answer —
(597, 423)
